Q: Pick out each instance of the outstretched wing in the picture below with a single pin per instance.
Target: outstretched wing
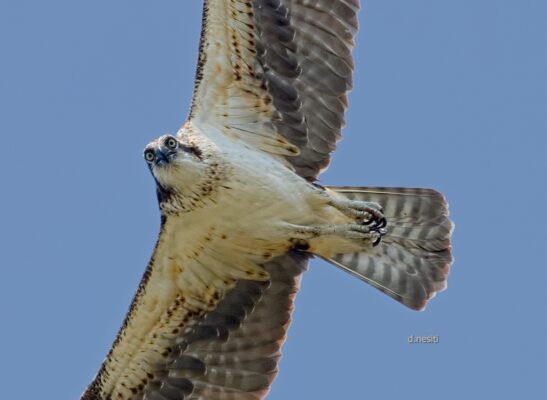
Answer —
(232, 352)
(200, 327)
(274, 73)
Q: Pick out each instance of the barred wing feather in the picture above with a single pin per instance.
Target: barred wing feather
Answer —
(274, 73)
(232, 352)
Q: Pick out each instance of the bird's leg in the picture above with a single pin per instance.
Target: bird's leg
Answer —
(303, 237)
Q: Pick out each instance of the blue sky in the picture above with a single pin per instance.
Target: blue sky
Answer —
(447, 94)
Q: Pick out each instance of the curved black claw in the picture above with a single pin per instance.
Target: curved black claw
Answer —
(382, 223)
(377, 241)
(376, 221)
(381, 233)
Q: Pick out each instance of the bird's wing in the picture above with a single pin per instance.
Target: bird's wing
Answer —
(199, 327)
(232, 352)
(274, 73)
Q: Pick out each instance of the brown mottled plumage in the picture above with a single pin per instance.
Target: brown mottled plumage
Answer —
(241, 214)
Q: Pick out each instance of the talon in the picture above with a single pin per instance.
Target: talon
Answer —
(382, 223)
(377, 241)
(377, 222)
(365, 213)
(381, 232)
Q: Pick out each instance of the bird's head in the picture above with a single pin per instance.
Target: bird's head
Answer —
(180, 168)
(169, 152)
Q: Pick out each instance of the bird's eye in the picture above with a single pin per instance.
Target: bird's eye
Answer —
(171, 143)
(149, 155)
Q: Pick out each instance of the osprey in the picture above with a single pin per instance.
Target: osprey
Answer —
(241, 214)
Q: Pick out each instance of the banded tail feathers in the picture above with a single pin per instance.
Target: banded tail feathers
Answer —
(412, 262)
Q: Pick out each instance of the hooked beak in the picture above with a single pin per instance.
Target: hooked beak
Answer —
(162, 157)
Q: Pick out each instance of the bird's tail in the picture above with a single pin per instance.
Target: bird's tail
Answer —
(412, 262)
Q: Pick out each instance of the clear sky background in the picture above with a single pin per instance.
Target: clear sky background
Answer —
(447, 94)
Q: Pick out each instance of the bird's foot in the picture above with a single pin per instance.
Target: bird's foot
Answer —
(360, 234)
(363, 212)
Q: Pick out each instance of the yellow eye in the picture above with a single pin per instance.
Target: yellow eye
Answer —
(149, 155)
(171, 143)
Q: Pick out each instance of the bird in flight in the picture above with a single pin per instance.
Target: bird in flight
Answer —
(242, 214)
